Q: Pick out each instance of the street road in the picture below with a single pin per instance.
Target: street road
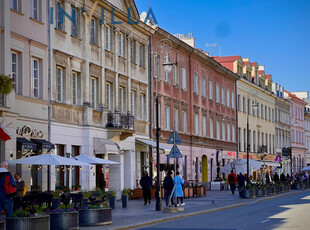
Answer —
(288, 212)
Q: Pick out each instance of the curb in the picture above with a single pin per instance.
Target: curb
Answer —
(279, 195)
(178, 217)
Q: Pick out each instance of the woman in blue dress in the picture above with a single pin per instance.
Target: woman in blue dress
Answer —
(179, 182)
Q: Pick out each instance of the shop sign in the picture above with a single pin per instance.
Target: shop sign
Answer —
(28, 131)
(233, 154)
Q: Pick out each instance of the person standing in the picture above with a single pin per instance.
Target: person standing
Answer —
(276, 178)
(179, 181)
(168, 186)
(282, 177)
(18, 198)
(5, 201)
(232, 180)
(267, 178)
(241, 180)
(146, 184)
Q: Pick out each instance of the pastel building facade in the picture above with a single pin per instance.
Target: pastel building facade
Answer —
(197, 99)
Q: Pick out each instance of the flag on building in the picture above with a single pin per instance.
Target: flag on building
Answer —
(4, 134)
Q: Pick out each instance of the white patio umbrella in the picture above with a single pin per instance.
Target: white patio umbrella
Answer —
(306, 169)
(240, 165)
(95, 160)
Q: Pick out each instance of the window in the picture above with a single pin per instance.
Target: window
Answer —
(16, 5)
(35, 9)
(184, 121)
(196, 122)
(195, 83)
(272, 115)
(109, 96)
(254, 142)
(262, 111)
(210, 90)
(244, 140)
(218, 130)
(244, 105)
(142, 107)
(167, 76)
(266, 113)
(121, 44)
(175, 75)
(176, 119)
(232, 100)
(60, 16)
(93, 31)
(233, 132)
(249, 106)
(14, 70)
(239, 139)
(211, 128)
(76, 84)
(35, 77)
(142, 55)
(204, 126)
(228, 131)
(217, 93)
(228, 98)
(184, 83)
(239, 103)
(133, 97)
(94, 92)
(223, 131)
(157, 66)
(269, 113)
(133, 51)
(223, 96)
(75, 26)
(60, 82)
(122, 99)
(108, 38)
(167, 117)
(257, 112)
(203, 87)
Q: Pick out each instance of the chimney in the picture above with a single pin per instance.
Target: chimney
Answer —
(187, 38)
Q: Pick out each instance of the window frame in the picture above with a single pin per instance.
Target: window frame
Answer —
(203, 87)
(14, 74)
(33, 79)
(59, 84)
(211, 90)
(196, 83)
(75, 27)
(184, 78)
(108, 38)
(93, 31)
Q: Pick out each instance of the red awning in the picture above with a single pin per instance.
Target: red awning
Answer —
(4, 134)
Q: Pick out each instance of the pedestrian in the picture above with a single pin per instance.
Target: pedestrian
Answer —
(146, 184)
(5, 201)
(282, 177)
(232, 180)
(168, 186)
(276, 178)
(18, 198)
(241, 180)
(267, 178)
(179, 181)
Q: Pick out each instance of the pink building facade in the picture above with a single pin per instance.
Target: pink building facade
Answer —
(197, 99)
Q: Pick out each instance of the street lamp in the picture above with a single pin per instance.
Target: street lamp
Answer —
(167, 68)
(251, 94)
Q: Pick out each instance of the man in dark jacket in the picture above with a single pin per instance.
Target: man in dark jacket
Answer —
(146, 184)
(20, 185)
(232, 180)
(276, 178)
(241, 180)
(5, 201)
(168, 186)
(282, 177)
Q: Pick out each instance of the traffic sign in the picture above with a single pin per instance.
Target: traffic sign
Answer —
(175, 152)
(174, 138)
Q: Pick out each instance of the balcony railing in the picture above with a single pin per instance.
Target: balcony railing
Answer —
(262, 149)
(120, 120)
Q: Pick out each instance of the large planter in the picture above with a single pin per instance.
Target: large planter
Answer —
(162, 193)
(112, 202)
(252, 193)
(199, 191)
(64, 220)
(264, 192)
(55, 203)
(270, 191)
(137, 193)
(93, 217)
(244, 194)
(190, 192)
(185, 192)
(2, 225)
(28, 223)
(259, 192)
(124, 201)
(204, 191)
(297, 186)
(153, 190)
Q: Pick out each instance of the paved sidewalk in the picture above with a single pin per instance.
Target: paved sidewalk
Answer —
(137, 214)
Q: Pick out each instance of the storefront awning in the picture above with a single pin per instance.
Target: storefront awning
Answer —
(105, 146)
(153, 144)
(26, 144)
(45, 144)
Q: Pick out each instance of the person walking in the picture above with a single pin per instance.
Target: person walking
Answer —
(241, 180)
(232, 180)
(5, 201)
(168, 186)
(179, 181)
(267, 178)
(282, 177)
(146, 184)
(18, 198)
(276, 178)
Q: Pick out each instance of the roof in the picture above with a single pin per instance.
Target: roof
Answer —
(293, 95)
(245, 63)
(226, 59)
(268, 76)
(253, 63)
(260, 72)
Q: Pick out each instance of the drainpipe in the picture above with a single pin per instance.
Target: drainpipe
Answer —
(236, 109)
(150, 105)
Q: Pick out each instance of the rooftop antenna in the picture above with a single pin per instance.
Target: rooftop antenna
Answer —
(212, 48)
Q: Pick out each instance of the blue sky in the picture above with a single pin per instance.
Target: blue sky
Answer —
(273, 33)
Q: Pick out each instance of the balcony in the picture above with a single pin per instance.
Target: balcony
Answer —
(120, 124)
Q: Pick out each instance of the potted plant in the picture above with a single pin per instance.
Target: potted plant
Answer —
(96, 212)
(6, 84)
(86, 196)
(137, 193)
(264, 190)
(64, 217)
(259, 191)
(126, 193)
(33, 217)
(77, 187)
(112, 199)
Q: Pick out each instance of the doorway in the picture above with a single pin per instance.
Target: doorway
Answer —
(204, 169)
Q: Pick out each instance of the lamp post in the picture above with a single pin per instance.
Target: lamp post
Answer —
(251, 94)
(167, 68)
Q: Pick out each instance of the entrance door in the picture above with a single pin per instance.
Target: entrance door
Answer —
(204, 169)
